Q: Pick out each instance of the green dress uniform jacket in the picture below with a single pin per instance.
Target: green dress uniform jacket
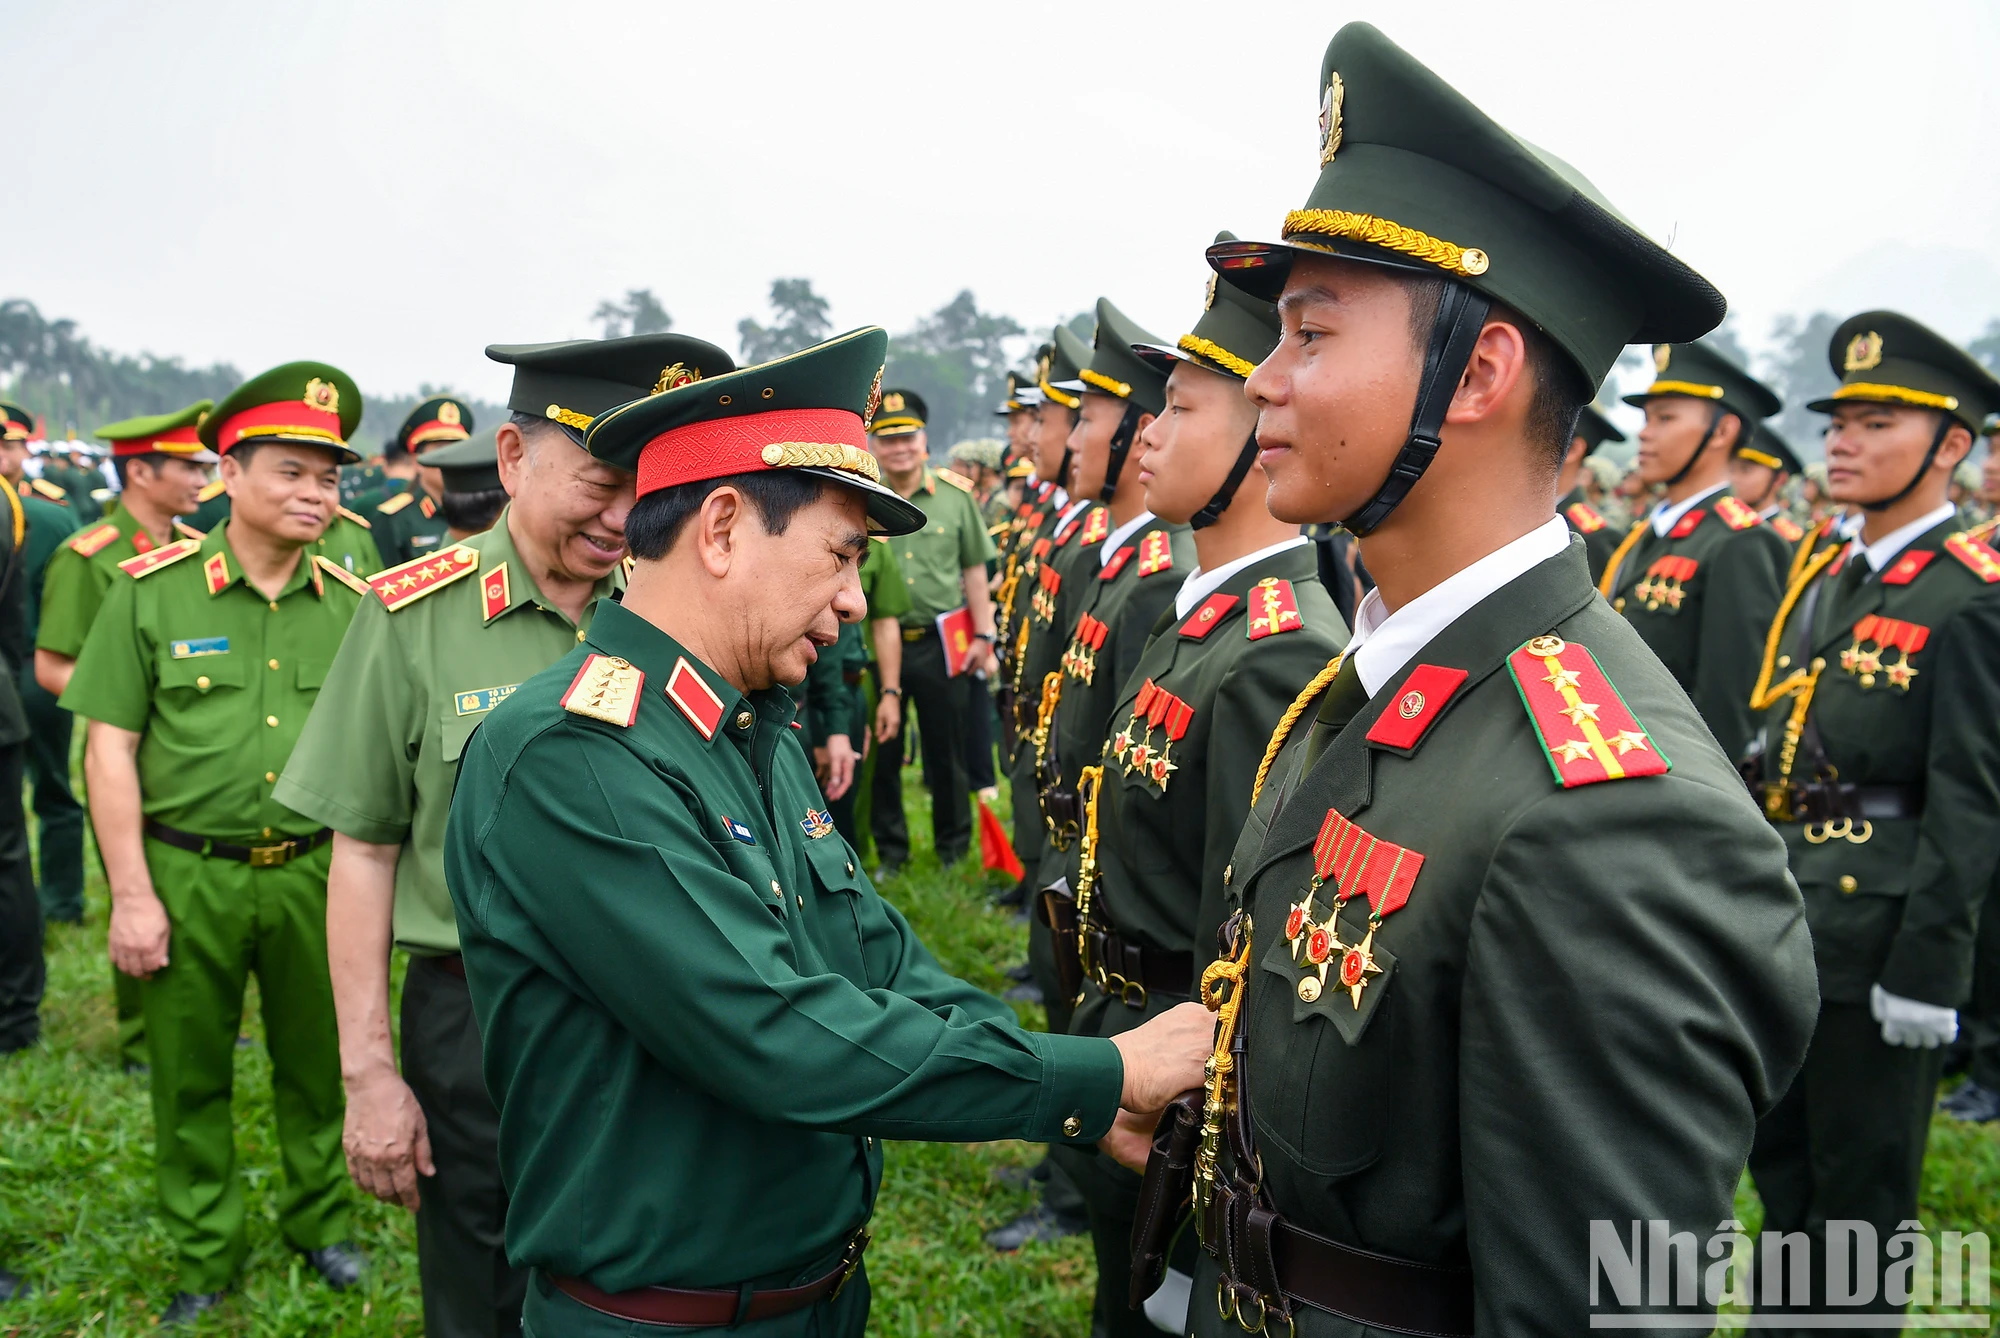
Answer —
(1702, 598)
(1600, 535)
(695, 1006)
(1041, 622)
(1590, 994)
(78, 575)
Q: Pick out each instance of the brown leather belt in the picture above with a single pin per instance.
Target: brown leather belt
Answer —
(714, 1308)
(1133, 973)
(257, 857)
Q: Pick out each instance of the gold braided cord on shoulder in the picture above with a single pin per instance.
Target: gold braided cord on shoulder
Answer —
(20, 515)
(1109, 385)
(1466, 260)
(1804, 552)
(1865, 390)
(1217, 354)
(1763, 695)
(822, 455)
(1609, 581)
(1290, 718)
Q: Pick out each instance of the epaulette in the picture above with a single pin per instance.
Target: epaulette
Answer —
(1983, 528)
(1584, 516)
(1582, 723)
(211, 490)
(1274, 608)
(47, 489)
(357, 519)
(1980, 559)
(340, 573)
(165, 555)
(1787, 529)
(1155, 553)
(94, 540)
(396, 503)
(995, 531)
(606, 688)
(956, 480)
(1735, 514)
(187, 531)
(1096, 525)
(410, 581)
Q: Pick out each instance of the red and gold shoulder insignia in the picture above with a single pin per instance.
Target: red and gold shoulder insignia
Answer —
(1584, 517)
(1274, 608)
(187, 531)
(390, 506)
(1117, 563)
(44, 488)
(1208, 617)
(1787, 529)
(955, 479)
(1981, 559)
(495, 592)
(1905, 568)
(339, 573)
(688, 690)
(1580, 720)
(211, 490)
(95, 539)
(1096, 525)
(1155, 553)
(164, 556)
(606, 688)
(356, 517)
(1735, 514)
(427, 506)
(410, 581)
(1418, 704)
(1984, 527)
(1687, 524)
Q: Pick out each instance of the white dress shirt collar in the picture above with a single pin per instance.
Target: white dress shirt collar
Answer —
(1884, 550)
(1200, 584)
(1665, 517)
(1117, 537)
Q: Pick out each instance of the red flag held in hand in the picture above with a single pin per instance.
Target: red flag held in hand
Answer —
(995, 850)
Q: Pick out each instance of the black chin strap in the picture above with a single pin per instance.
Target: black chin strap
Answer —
(1063, 479)
(1121, 446)
(1461, 315)
(1714, 421)
(1226, 494)
(1930, 456)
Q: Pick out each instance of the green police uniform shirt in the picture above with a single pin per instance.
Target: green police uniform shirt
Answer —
(421, 667)
(1702, 596)
(935, 558)
(695, 1007)
(218, 679)
(79, 574)
(346, 541)
(1902, 685)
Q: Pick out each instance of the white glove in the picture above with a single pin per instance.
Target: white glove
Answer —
(1908, 1022)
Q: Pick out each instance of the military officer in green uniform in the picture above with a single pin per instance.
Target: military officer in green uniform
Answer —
(1249, 627)
(1700, 577)
(1600, 536)
(1758, 473)
(1881, 654)
(1514, 953)
(196, 680)
(162, 466)
(22, 971)
(438, 643)
(407, 524)
(944, 569)
(689, 993)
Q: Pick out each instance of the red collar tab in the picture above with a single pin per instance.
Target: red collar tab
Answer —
(1584, 517)
(1735, 514)
(1117, 563)
(1208, 617)
(696, 699)
(1067, 530)
(1274, 608)
(1583, 725)
(1155, 553)
(1417, 705)
(1846, 552)
(496, 593)
(1687, 524)
(1096, 525)
(1980, 557)
(1905, 568)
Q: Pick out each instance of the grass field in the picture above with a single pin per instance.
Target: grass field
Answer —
(76, 1179)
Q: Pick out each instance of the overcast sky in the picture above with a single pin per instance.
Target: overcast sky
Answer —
(392, 185)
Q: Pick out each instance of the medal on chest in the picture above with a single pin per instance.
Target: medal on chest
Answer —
(1876, 639)
(1352, 862)
(1664, 583)
(1080, 659)
(1153, 709)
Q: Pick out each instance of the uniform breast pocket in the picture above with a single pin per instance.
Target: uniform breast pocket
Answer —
(312, 674)
(750, 863)
(202, 676)
(839, 885)
(454, 731)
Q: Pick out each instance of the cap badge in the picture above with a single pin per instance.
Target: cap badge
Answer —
(1864, 351)
(892, 403)
(676, 376)
(1209, 301)
(1662, 355)
(874, 399)
(1329, 119)
(448, 414)
(322, 395)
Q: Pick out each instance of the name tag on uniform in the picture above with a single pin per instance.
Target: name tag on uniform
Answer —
(739, 831)
(484, 699)
(196, 647)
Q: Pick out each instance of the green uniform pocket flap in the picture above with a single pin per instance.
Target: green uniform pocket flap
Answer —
(453, 733)
(834, 864)
(202, 674)
(312, 674)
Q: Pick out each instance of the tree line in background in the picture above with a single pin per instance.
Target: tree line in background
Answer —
(957, 358)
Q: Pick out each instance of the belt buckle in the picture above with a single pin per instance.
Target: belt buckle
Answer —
(270, 857)
(912, 634)
(850, 1262)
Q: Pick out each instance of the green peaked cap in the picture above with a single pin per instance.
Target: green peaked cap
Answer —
(15, 421)
(808, 411)
(472, 465)
(1236, 331)
(1060, 372)
(1017, 383)
(1595, 429)
(441, 418)
(143, 435)
(1115, 370)
(1704, 372)
(1882, 357)
(901, 413)
(572, 381)
(298, 403)
(1413, 176)
(1767, 448)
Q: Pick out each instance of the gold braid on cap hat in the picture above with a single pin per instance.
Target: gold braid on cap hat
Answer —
(1217, 354)
(1465, 260)
(821, 455)
(1108, 384)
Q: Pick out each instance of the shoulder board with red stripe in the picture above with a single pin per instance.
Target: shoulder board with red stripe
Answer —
(356, 517)
(1155, 553)
(1584, 517)
(1787, 528)
(1096, 525)
(340, 573)
(95, 539)
(606, 688)
(956, 479)
(1117, 563)
(165, 555)
(211, 490)
(1977, 556)
(49, 490)
(1208, 617)
(410, 581)
(1580, 720)
(1274, 608)
(390, 506)
(1735, 514)
(1687, 524)
(1905, 568)
(187, 531)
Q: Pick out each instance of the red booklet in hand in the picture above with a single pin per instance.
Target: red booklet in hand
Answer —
(955, 630)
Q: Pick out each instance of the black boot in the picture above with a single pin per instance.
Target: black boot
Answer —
(187, 1306)
(340, 1264)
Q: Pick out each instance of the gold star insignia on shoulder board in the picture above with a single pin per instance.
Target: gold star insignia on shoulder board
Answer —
(1581, 712)
(1625, 740)
(1560, 679)
(1573, 749)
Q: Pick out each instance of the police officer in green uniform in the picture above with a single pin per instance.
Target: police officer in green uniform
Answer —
(22, 971)
(1700, 577)
(1249, 627)
(407, 524)
(1600, 536)
(162, 467)
(196, 680)
(1515, 954)
(440, 642)
(944, 569)
(1758, 473)
(689, 993)
(1880, 656)
(347, 542)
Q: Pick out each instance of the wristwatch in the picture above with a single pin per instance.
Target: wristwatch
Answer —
(987, 637)
(892, 692)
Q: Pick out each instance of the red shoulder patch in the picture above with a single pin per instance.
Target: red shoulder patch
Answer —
(1584, 517)
(1687, 524)
(1155, 553)
(1096, 525)
(1416, 706)
(1735, 514)
(95, 539)
(1905, 568)
(1787, 528)
(1582, 723)
(1208, 617)
(1981, 559)
(696, 699)
(1274, 608)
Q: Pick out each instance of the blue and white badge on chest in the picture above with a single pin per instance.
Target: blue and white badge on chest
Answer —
(738, 830)
(193, 648)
